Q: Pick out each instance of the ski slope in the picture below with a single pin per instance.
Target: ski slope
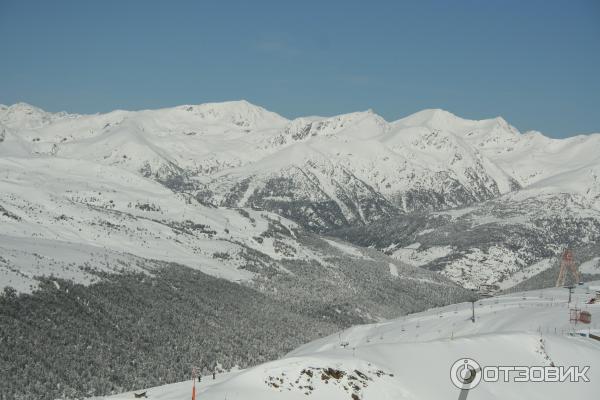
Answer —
(410, 358)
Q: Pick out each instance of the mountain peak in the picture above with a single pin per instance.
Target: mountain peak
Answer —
(433, 118)
(23, 115)
(439, 119)
(359, 124)
(239, 112)
(23, 107)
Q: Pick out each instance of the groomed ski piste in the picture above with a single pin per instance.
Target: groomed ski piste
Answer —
(411, 357)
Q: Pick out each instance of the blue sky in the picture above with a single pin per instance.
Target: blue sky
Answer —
(536, 63)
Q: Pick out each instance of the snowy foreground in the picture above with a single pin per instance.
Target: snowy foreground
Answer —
(411, 357)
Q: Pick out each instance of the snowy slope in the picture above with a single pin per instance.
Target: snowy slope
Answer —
(76, 219)
(67, 213)
(410, 358)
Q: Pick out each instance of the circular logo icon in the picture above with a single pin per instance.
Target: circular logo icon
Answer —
(465, 373)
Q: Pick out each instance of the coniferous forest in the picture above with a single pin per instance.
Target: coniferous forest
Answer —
(130, 331)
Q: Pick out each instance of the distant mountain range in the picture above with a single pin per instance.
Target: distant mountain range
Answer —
(346, 176)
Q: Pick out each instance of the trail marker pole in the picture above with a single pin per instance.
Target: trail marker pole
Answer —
(194, 383)
(474, 298)
(571, 287)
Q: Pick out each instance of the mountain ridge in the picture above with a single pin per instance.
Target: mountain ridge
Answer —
(426, 114)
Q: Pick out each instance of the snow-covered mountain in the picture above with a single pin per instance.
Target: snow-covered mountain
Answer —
(108, 222)
(410, 357)
(347, 171)
(324, 172)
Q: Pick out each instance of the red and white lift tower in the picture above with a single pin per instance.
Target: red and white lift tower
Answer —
(567, 265)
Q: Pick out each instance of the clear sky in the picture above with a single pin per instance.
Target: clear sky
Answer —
(536, 63)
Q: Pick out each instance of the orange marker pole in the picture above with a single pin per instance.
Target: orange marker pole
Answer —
(194, 384)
